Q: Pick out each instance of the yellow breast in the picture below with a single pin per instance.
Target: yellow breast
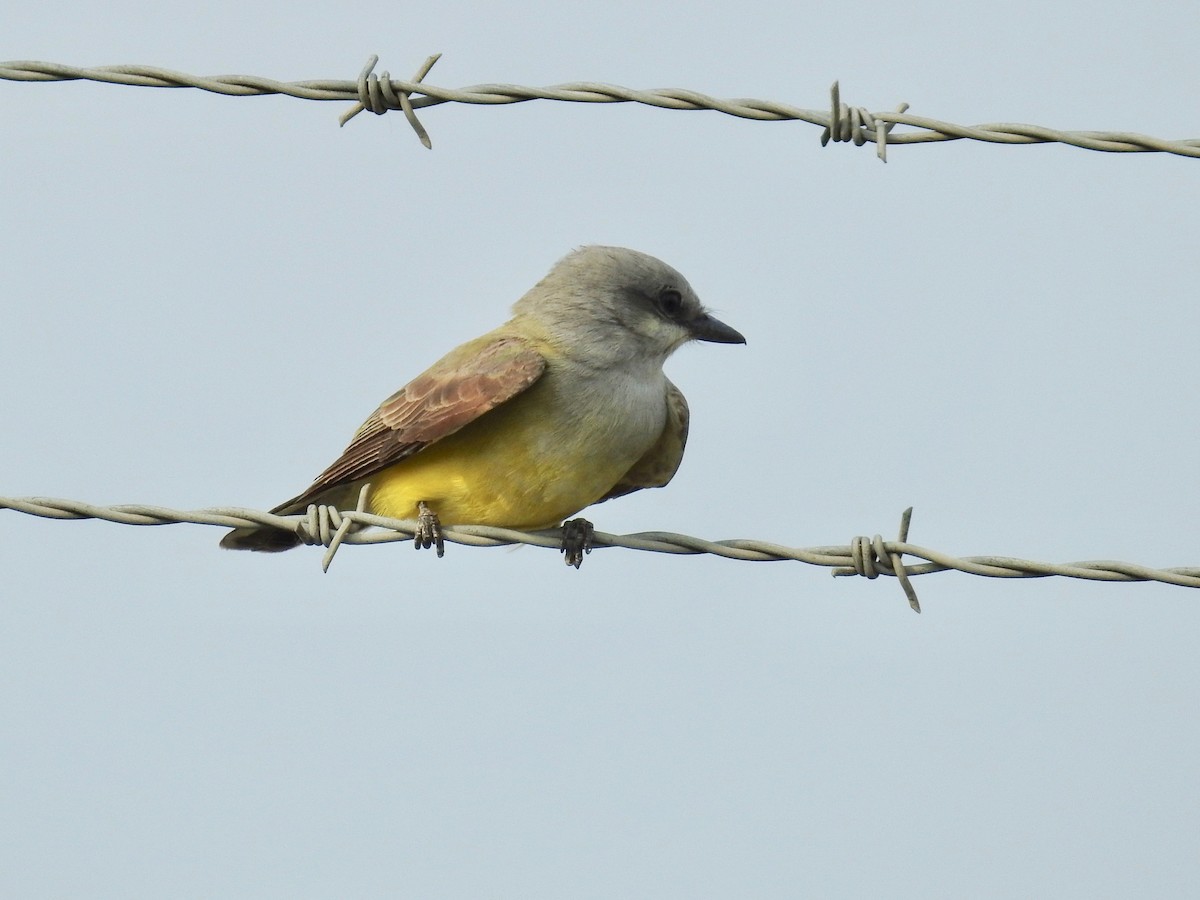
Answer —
(528, 464)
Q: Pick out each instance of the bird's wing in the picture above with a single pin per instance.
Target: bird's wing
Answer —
(459, 388)
(659, 464)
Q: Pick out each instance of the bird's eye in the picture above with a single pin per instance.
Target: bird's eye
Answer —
(670, 301)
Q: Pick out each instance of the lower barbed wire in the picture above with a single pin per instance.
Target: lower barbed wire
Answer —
(865, 557)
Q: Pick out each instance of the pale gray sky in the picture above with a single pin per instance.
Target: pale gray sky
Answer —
(204, 296)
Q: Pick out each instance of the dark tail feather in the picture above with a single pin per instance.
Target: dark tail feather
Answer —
(265, 540)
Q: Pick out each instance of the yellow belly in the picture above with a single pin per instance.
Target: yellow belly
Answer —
(515, 467)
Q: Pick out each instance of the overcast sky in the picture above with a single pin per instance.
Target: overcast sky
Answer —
(203, 297)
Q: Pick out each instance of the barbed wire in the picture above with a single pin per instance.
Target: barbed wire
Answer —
(868, 557)
(382, 93)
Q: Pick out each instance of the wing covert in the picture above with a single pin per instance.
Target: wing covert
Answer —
(659, 464)
(462, 386)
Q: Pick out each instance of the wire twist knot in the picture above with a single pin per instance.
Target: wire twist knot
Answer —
(327, 526)
(378, 94)
(871, 557)
(319, 526)
(851, 123)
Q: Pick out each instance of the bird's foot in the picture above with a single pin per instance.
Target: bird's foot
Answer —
(576, 540)
(429, 530)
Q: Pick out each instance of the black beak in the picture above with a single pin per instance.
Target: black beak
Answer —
(706, 328)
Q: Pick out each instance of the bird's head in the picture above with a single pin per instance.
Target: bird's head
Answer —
(615, 302)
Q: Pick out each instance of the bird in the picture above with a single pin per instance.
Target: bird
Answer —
(564, 405)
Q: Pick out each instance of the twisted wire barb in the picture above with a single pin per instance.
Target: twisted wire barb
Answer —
(868, 557)
(378, 94)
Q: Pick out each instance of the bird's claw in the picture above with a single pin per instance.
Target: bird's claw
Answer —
(576, 540)
(429, 530)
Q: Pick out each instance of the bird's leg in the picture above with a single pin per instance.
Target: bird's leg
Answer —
(429, 530)
(576, 540)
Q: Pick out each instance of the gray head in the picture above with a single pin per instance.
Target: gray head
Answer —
(599, 296)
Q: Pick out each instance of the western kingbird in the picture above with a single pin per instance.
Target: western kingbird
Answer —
(563, 406)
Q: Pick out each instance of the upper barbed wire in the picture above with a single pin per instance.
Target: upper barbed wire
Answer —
(381, 93)
(869, 557)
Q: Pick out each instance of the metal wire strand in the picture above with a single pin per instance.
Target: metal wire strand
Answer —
(868, 557)
(379, 94)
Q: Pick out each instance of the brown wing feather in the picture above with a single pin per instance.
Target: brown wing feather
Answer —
(659, 464)
(462, 386)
